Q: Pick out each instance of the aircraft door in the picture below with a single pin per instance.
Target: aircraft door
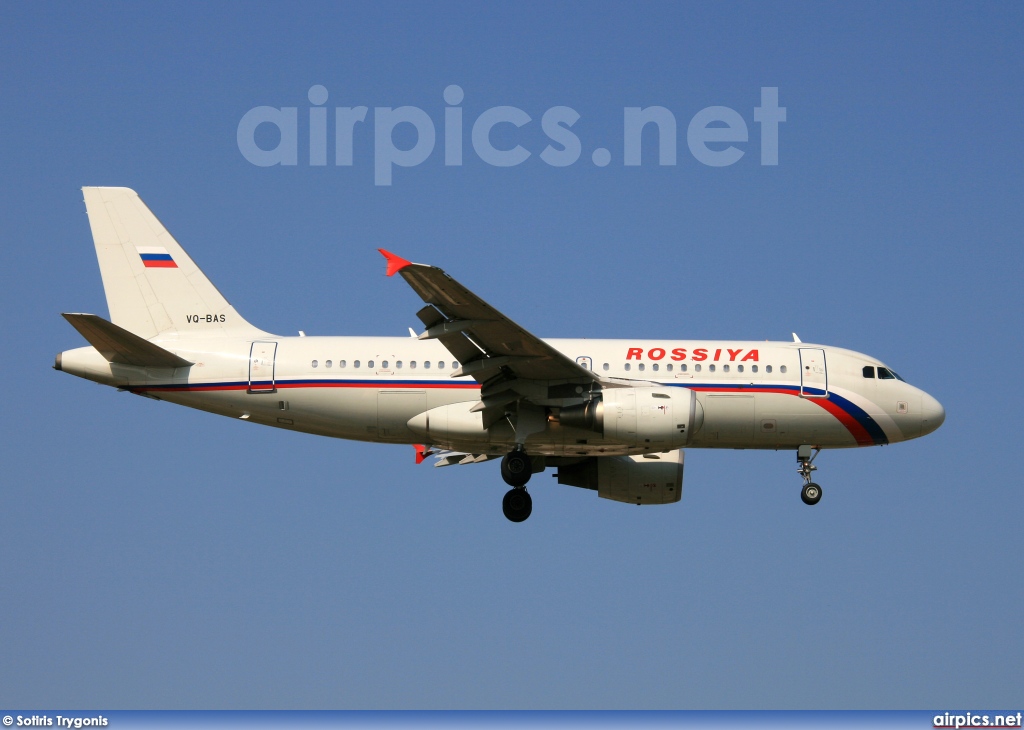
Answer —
(813, 374)
(261, 367)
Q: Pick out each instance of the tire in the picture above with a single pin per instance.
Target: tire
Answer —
(516, 468)
(517, 505)
(811, 493)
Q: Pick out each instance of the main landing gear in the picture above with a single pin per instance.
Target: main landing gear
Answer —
(516, 470)
(811, 493)
(517, 504)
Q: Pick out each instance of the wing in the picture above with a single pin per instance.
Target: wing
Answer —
(510, 363)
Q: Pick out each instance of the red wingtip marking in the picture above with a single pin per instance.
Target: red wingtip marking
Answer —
(395, 263)
(422, 452)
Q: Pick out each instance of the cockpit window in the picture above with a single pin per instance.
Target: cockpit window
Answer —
(897, 376)
(869, 371)
(885, 374)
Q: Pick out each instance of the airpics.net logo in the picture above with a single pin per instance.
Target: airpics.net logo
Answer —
(713, 135)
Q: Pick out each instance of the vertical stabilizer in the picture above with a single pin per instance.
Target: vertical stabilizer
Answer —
(153, 287)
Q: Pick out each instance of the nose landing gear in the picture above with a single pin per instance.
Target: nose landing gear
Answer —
(811, 492)
(516, 470)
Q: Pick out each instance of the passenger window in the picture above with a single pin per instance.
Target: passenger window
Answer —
(384, 364)
(869, 371)
(640, 367)
(327, 364)
(412, 364)
(398, 364)
(369, 363)
(315, 363)
(455, 366)
(669, 367)
(711, 368)
(884, 374)
(627, 366)
(782, 369)
(696, 368)
(355, 364)
(605, 366)
(725, 368)
(426, 364)
(654, 367)
(753, 368)
(341, 363)
(683, 368)
(739, 368)
(767, 368)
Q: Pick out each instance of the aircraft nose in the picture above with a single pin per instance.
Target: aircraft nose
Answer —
(932, 414)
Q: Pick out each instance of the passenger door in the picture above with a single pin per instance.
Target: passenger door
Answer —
(813, 373)
(261, 367)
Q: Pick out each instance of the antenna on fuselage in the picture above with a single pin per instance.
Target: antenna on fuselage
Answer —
(796, 339)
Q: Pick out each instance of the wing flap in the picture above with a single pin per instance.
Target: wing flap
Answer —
(429, 316)
(458, 458)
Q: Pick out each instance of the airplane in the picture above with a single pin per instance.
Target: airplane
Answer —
(612, 416)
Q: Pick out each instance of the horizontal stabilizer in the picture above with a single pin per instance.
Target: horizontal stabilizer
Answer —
(119, 345)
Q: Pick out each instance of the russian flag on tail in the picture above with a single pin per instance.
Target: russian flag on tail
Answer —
(156, 257)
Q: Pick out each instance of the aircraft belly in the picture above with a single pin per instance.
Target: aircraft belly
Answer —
(458, 429)
(786, 421)
(338, 412)
(768, 421)
(728, 420)
(394, 409)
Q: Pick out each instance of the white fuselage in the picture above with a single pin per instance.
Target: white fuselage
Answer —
(749, 395)
(613, 416)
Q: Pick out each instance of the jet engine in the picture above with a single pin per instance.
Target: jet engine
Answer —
(647, 479)
(658, 418)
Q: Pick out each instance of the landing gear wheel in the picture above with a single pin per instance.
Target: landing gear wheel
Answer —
(517, 504)
(811, 493)
(516, 469)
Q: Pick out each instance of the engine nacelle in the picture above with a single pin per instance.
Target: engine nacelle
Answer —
(648, 479)
(656, 418)
(455, 422)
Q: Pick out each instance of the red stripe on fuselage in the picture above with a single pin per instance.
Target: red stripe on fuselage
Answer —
(279, 385)
(859, 433)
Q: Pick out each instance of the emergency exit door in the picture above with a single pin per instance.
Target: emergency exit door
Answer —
(813, 373)
(261, 367)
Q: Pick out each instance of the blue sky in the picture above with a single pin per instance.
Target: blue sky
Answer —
(155, 557)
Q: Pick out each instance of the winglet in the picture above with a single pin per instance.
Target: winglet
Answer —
(422, 452)
(395, 263)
